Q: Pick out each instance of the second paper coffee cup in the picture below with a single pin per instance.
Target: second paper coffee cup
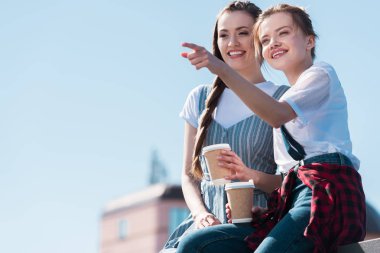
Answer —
(240, 199)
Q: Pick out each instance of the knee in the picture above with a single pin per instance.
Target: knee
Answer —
(189, 243)
(201, 240)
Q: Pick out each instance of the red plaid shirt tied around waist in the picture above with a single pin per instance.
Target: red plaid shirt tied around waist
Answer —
(338, 213)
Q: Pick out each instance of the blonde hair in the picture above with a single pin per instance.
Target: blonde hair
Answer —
(299, 16)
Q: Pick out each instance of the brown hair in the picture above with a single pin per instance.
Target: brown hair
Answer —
(299, 16)
(218, 85)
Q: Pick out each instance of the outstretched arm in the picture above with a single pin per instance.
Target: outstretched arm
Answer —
(270, 110)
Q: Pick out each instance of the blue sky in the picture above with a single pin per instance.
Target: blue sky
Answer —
(89, 88)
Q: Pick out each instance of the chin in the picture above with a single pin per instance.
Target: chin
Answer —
(277, 66)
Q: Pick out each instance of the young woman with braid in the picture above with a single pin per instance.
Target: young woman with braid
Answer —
(214, 114)
(320, 204)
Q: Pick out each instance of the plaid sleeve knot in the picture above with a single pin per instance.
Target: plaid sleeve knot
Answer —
(338, 212)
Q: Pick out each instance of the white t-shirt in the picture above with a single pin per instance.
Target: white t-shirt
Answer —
(230, 109)
(321, 124)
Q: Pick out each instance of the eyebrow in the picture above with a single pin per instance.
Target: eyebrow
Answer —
(239, 28)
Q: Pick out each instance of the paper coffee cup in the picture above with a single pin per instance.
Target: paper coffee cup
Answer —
(217, 173)
(240, 199)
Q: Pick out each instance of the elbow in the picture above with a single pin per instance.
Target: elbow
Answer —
(277, 123)
(281, 119)
(184, 182)
(185, 178)
(284, 114)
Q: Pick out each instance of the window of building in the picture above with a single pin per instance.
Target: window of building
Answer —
(123, 229)
(176, 216)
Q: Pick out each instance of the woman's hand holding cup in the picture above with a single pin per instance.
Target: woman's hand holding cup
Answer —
(230, 160)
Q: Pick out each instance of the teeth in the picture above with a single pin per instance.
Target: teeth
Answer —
(236, 53)
(277, 53)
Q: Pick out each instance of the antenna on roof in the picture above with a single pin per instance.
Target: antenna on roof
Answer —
(158, 171)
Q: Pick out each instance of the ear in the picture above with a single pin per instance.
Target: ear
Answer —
(310, 43)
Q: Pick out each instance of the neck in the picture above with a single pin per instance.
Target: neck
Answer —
(293, 74)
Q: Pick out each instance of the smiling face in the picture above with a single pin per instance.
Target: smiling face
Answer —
(284, 45)
(235, 40)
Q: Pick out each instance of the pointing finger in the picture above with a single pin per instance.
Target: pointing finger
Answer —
(192, 46)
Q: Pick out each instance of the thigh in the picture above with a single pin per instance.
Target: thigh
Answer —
(287, 236)
(224, 238)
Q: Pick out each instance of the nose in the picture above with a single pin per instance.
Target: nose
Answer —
(274, 43)
(233, 41)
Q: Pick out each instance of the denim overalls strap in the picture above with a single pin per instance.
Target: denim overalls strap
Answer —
(297, 152)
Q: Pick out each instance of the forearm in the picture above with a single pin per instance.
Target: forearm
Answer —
(190, 187)
(264, 181)
(269, 182)
(192, 195)
(267, 108)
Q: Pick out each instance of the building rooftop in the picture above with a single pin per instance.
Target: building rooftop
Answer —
(151, 193)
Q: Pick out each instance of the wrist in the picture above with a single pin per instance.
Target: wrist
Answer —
(195, 214)
(254, 176)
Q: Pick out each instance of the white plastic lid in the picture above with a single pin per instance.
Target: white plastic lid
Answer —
(220, 181)
(216, 146)
(243, 220)
(239, 185)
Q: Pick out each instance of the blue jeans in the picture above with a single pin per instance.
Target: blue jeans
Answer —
(286, 236)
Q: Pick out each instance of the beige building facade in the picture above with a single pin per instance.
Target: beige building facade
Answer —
(142, 222)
